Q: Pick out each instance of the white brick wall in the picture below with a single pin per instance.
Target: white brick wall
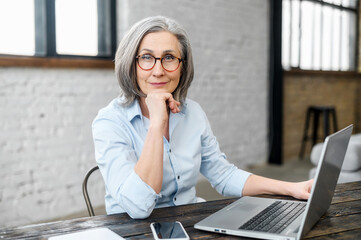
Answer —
(45, 114)
(45, 142)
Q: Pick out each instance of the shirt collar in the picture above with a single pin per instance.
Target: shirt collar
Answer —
(183, 108)
(134, 110)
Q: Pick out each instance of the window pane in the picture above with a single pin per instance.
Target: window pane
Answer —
(326, 38)
(76, 27)
(306, 37)
(348, 41)
(317, 38)
(286, 26)
(17, 28)
(295, 33)
(350, 3)
(336, 35)
(344, 41)
(352, 41)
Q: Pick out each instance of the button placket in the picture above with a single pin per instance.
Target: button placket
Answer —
(171, 158)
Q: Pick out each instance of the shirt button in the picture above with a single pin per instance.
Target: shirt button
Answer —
(170, 150)
(178, 177)
(175, 199)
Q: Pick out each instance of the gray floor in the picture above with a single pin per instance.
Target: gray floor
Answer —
(292, 170)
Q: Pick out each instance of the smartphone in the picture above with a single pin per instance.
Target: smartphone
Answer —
(168, 230)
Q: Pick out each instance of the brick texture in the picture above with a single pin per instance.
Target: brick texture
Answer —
(302, 90)
(45, 142)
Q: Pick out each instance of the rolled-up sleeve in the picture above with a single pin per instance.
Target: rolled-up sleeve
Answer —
(225, 177)
(137, 197)
(116, 159)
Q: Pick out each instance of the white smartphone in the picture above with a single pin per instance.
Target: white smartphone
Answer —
(168, 231)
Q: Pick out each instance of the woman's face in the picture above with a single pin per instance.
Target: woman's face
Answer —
(159, 45)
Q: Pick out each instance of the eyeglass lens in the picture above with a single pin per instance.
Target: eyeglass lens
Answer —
(169, 62)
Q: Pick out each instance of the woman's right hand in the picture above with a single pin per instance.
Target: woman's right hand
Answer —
(158, 104)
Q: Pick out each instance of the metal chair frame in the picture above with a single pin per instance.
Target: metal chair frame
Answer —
(85, 191)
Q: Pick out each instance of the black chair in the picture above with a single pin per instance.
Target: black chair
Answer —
(85, 191)
(316, 111)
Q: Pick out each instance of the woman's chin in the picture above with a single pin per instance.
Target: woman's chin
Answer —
(159, 90)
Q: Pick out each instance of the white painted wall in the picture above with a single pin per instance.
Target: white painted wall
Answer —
(45, 114)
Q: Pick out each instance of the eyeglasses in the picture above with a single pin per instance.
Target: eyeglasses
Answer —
(169, 62)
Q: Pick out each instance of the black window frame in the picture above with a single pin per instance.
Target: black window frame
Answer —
(45, 32)
(334, 6)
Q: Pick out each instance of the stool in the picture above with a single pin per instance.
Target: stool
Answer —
(316, 111)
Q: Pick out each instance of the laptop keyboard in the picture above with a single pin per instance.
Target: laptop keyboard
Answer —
(275, 218)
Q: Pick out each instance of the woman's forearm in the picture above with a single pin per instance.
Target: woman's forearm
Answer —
(150, 164)
(256, 185)
(260, 185)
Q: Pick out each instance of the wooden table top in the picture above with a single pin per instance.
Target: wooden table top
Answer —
(342, 220)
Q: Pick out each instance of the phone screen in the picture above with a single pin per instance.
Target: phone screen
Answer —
(169, 230)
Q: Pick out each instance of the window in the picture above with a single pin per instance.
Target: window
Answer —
(58, 28)
(319, 34)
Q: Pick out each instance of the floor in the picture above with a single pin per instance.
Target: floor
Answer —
(292, 170)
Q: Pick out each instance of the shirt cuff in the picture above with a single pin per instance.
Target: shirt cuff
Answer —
(236, 182)
(138, 198)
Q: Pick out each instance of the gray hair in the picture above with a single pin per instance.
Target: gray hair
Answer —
(125, 68)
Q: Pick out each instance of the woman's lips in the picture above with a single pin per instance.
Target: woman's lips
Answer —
(158, 84)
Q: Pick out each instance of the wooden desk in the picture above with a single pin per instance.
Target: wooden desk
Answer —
(342, 220)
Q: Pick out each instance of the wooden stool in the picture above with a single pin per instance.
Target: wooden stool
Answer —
(316, 111)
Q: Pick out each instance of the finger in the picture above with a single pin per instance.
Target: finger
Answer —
(173, 104)
(171, 99)
(306, 196)
(308, 185)
(174, 108)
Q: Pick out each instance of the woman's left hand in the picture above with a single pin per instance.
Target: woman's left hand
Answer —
(301, 190)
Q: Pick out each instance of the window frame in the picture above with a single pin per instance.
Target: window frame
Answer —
(322, 3)
(46, 35)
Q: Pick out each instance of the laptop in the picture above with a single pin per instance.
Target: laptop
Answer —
(269, 218)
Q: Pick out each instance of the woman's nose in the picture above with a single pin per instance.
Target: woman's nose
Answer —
(158, 69)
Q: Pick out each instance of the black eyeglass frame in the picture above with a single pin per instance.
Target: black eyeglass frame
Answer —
(161, 63)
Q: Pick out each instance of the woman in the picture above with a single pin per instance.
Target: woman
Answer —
(152, 142)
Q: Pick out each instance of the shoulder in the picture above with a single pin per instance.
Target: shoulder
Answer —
(115, 112)
(194, 109)
(191, 105)
(113, 109)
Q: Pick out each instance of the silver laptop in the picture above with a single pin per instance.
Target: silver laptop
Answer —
(268, 218)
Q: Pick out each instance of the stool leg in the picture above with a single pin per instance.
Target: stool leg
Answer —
(326, 123)
(335, 128)
(305, 130)
(315, 127)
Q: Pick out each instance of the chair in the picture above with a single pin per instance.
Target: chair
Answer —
(85, 191)
(326, 112)
(351, 168)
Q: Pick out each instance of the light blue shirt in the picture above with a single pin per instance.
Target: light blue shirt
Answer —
(119, 134)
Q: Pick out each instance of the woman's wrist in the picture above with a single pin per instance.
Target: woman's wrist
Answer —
(156, 126)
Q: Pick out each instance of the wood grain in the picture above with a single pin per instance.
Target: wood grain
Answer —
(341, 221)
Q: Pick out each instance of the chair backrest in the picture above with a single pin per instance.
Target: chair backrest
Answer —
(85, 191)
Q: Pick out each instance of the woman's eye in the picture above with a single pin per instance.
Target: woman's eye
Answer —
(169, 57)
(146, 57)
